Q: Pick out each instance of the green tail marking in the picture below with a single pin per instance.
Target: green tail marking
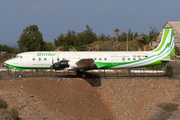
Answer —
(166, 31)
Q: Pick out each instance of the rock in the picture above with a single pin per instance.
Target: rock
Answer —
(5, 116)
(177, 99)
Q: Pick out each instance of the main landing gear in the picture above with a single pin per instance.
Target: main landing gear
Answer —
(20, 75)
(81, 74)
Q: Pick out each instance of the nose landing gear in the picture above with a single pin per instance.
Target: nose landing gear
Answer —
(5, 66)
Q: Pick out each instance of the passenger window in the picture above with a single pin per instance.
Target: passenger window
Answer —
(20, 56)
(33, 59)
(139, 58)
(94, 58)
(58, 59)
(39, 59)
(63, 58)
(123, 58)
(105, 58)
(99, 58)
(134, 58)
(129, 59)
(45, 59)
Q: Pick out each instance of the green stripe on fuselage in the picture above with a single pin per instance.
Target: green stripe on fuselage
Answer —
(14, 67)
(156, 63)
(113, 64)
(21, 68)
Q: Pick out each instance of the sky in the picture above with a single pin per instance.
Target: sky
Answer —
(54, 17)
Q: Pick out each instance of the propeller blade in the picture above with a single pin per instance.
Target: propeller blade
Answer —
(58, 58)
(52, 61)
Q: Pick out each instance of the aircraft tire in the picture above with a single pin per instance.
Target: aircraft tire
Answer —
(4, 66)
(83, 75)
(19, 75)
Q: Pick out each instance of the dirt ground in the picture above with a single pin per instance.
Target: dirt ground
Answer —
(93, 99)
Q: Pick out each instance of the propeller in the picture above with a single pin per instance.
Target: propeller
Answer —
(52, 62)
(58, 60)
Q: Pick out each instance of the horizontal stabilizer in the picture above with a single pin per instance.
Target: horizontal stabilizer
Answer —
(166, 60)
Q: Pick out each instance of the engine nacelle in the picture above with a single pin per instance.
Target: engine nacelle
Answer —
(61, 65)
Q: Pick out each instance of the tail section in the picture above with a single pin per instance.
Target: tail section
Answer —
(173, 47)
(166, 46)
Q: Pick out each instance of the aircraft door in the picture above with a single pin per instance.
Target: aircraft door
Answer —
(114, 59)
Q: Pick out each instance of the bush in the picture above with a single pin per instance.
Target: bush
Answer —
(156, 67)
(168, 107)
(14, 113)
(3, 104)
(161, 115)
(171, 107)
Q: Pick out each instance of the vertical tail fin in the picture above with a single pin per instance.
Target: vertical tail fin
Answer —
(166, 46)
(173, 47)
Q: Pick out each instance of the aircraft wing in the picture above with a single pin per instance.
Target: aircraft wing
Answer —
(87, 63)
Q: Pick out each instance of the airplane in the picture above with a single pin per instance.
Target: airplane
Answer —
(81, 61)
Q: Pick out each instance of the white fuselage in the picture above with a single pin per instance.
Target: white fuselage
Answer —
(47, 58)
(96, 59)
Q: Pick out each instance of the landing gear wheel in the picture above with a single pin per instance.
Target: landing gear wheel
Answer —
(19, 75)
(4, 66)
(83, 75)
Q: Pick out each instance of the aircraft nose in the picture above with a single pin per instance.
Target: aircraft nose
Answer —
(5, 64)
(8, 62)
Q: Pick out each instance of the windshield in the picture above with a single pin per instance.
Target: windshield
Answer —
(17, 55)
